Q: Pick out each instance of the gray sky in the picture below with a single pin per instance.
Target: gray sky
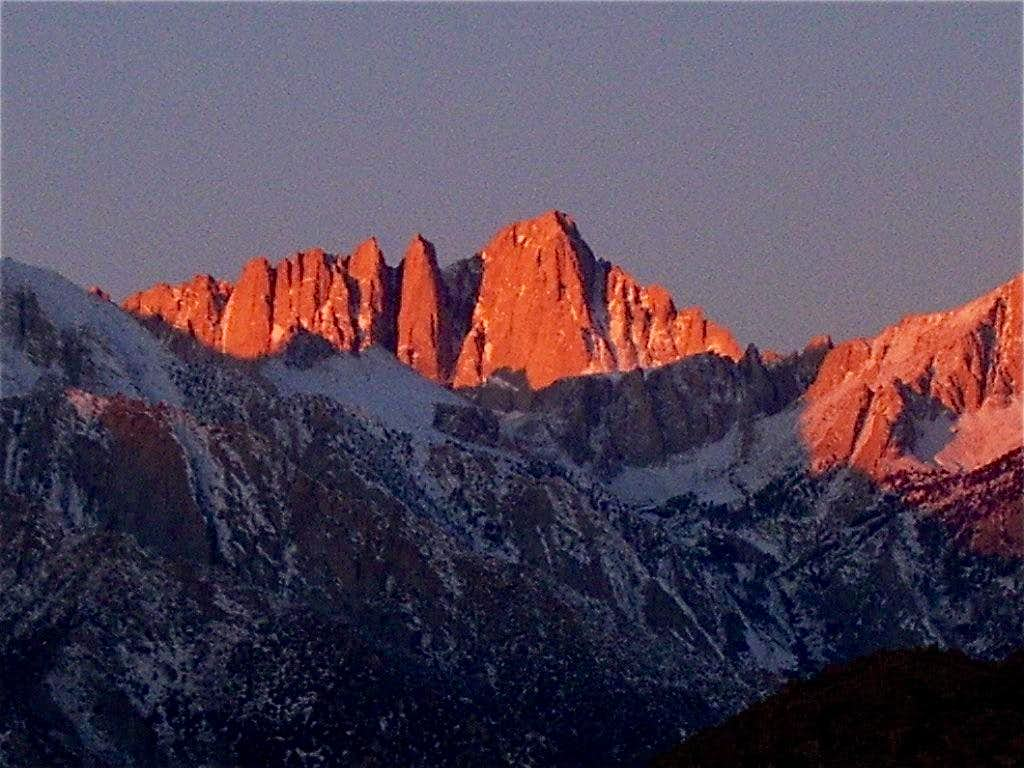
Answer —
(795, 169)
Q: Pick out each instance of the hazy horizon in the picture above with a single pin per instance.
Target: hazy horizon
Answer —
(795, 170)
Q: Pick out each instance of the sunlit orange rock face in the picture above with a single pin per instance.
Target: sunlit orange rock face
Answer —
(424, 325)
(872, 398)
(375, 292)
(249, 314)
(347, 301)
(196, 307)
(538, 302)
(548, 308)
(534, 309)
(312, 292)
(646, 329)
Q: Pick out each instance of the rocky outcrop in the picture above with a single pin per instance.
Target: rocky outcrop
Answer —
(535, 301)
(889, 403)
(347, 301)
(249, 314)
(462, 282)
(312, 293)
(196, 307)
(646, 330)
(425, 341)
(644, 416)
(982, 508)
(375, 291)
(535, 310)
(99, 293)
(548, 308)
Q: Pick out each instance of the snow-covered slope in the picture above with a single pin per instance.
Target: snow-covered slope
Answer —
(725, 471)
(977, 438)
(373, 382)
(52, 326)
(212, 561)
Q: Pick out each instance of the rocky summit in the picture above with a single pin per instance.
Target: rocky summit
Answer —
(513, 510)
(538, 302)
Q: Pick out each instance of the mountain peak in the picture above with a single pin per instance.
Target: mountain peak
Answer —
(367, 259)
(419, 241)
(540, 304)
(534, 310)
(552, 219)
(538, 232)
(424, 330)
(420, 250)
(557, 220)
(821, 341)
(890, 403)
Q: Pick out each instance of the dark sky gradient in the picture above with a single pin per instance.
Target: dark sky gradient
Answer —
(795, 169)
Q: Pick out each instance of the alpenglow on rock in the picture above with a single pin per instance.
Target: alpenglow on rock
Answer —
(342, 300)
(940, 388)
(425, 341)
(540, 304)
(549, 308)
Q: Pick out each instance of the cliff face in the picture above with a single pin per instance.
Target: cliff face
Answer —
(425, 340)
(346, 300)
(196, 307)
(922, 390)
(535, 301)
(646, 330)
(548, 308)
(535, 309)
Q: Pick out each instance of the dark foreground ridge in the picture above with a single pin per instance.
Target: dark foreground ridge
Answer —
(921, 707)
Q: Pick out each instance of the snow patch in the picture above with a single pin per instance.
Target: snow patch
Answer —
(373, 383)
(931, 436)
(127, 357)
(984, 435)
(748, 457)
